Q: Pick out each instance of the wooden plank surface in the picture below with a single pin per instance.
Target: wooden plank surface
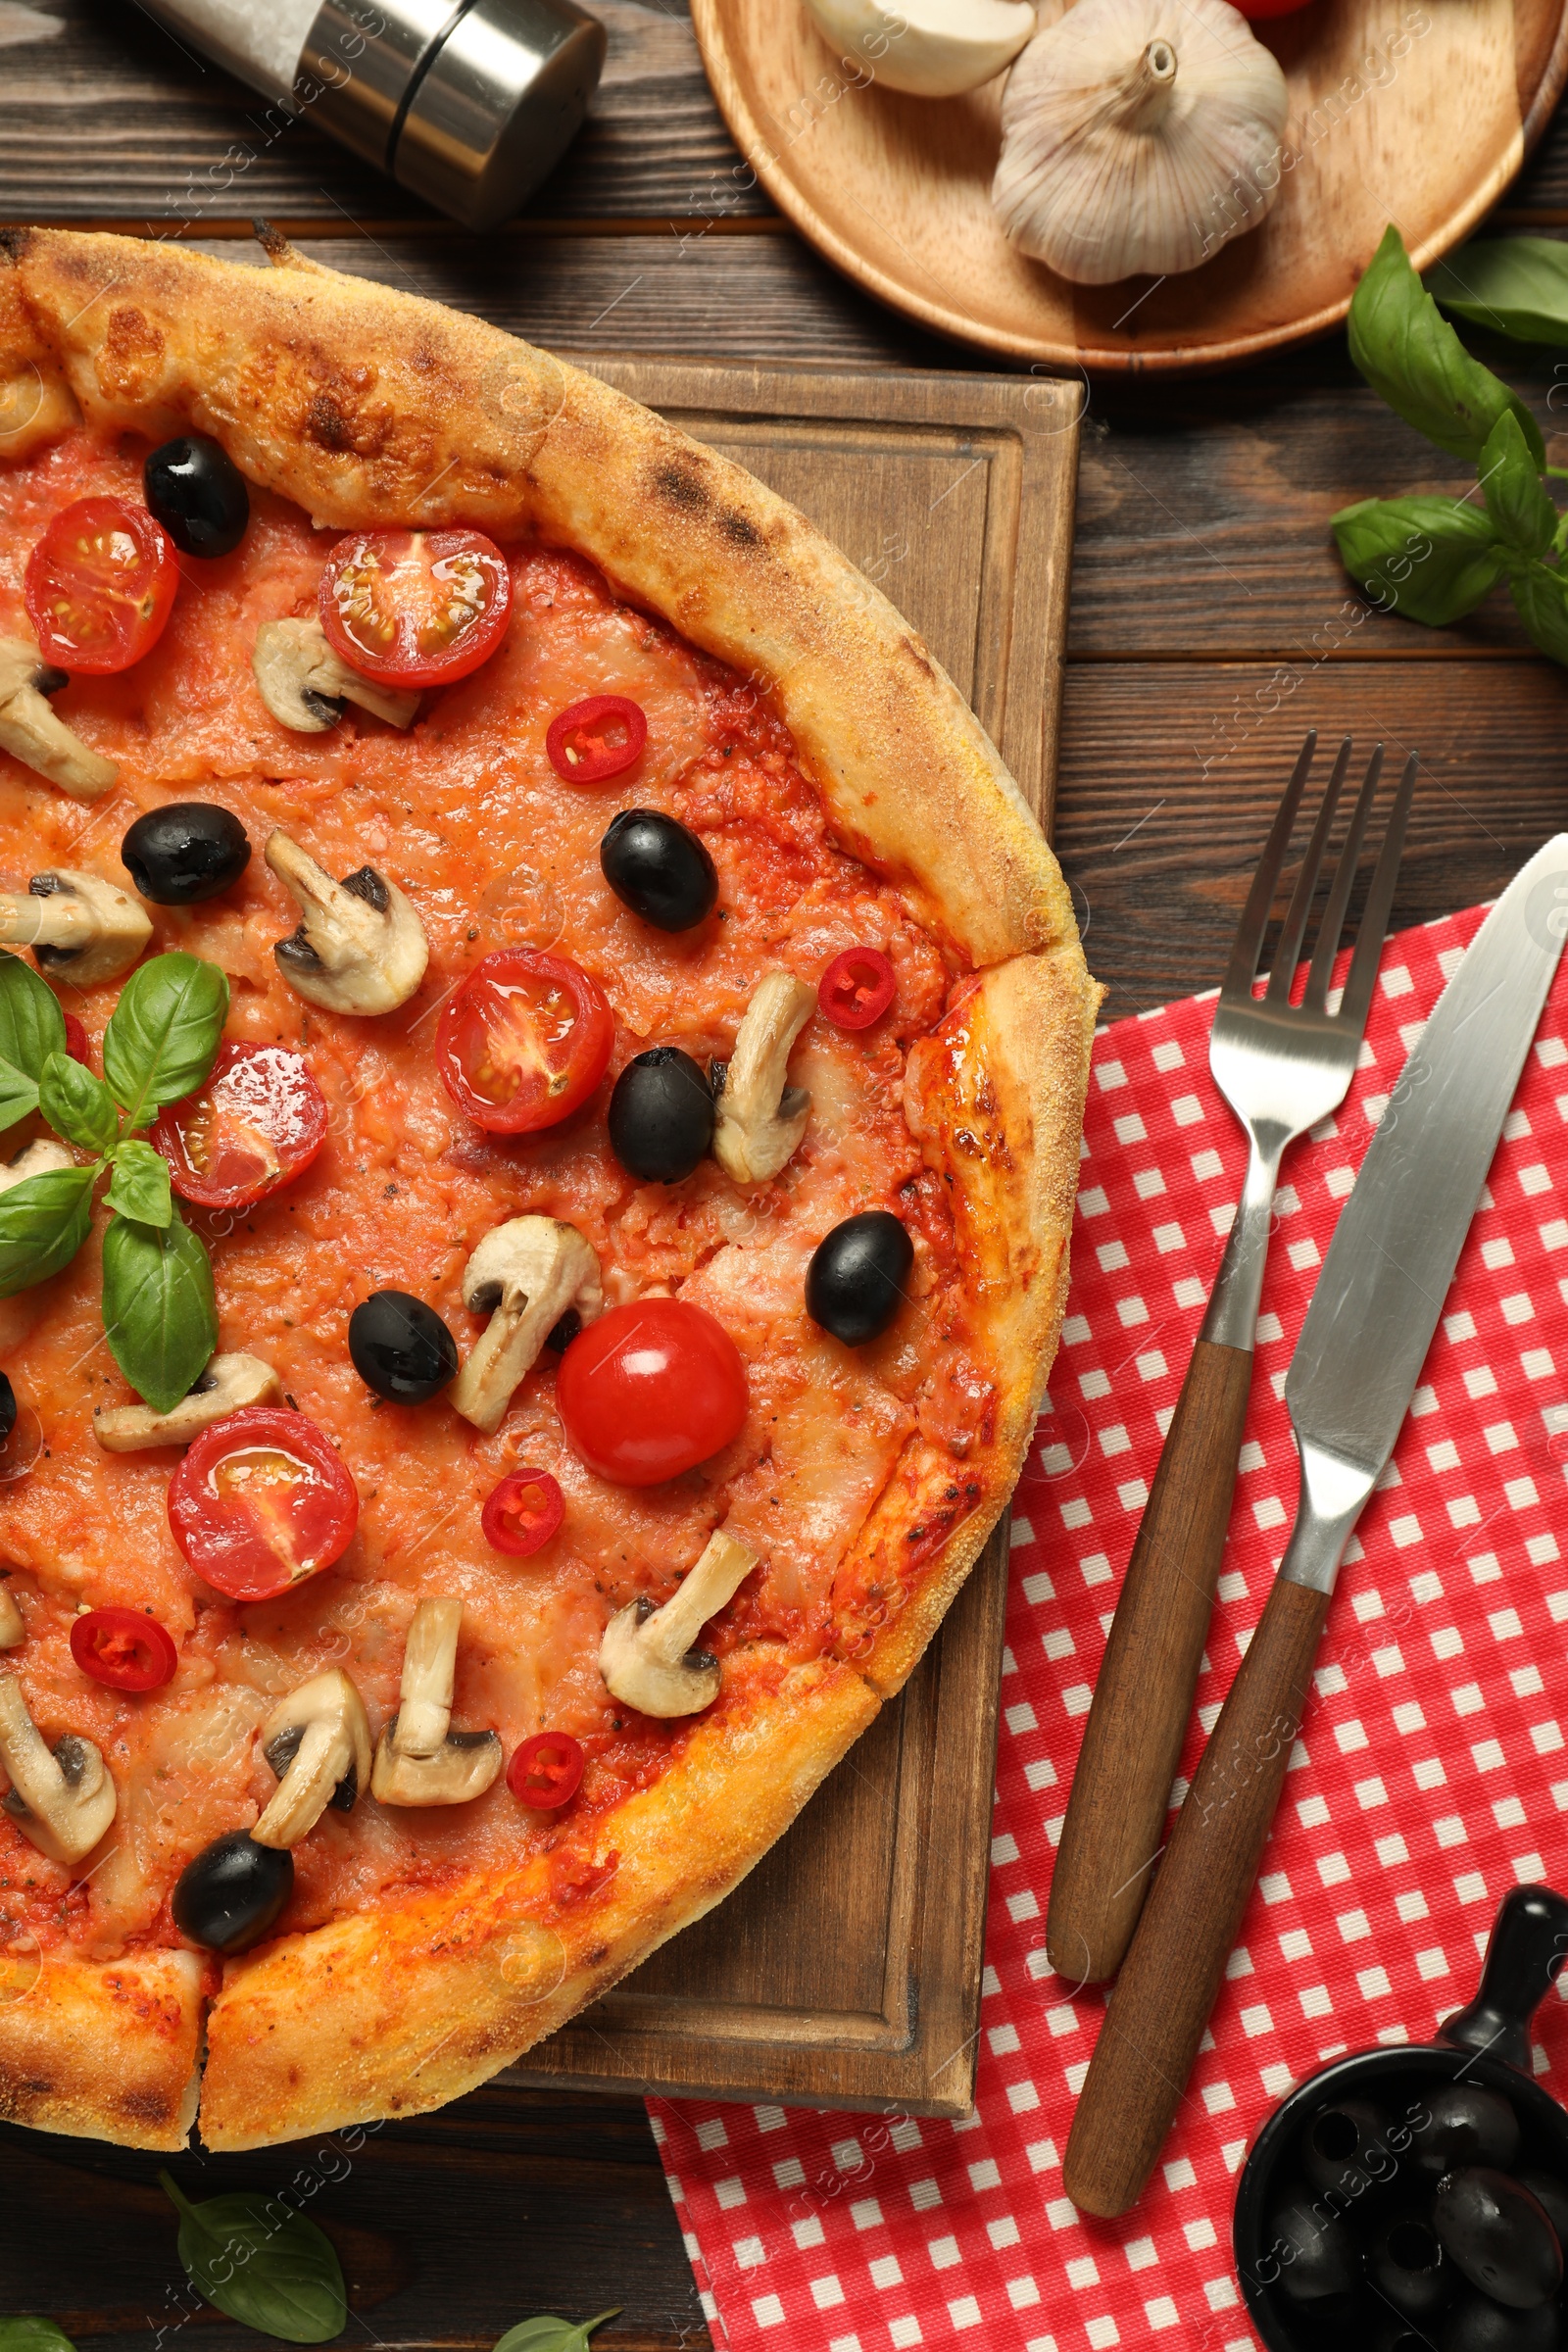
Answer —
(1202, 566)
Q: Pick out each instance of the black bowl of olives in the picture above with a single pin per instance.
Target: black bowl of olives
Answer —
(1415, 2198)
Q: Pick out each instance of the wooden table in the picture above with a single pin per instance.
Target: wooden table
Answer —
(1210, 625)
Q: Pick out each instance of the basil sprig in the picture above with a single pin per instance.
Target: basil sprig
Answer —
(159, 1314)
(1434, 558)
(262, 2263)
(28, 2335)
(549, 2335)
(1515, 286)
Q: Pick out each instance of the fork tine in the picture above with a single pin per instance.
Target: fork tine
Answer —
(1250, 931)
(1295, 919)
(1379, 898)
(1328, 939)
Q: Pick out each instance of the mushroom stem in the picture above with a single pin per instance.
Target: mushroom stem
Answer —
(229, 1383)
(13, 1632)
(359, 948)
(430, 1672)
(761, 1116)
(80, 925)
(31, 733)
(647, 1656)
(527, 1273)
(305, 684)
(61, 1799)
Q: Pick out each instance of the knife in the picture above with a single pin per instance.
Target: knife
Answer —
(1350, 1381)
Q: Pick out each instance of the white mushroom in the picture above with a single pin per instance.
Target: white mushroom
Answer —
(761, 1118)
(60, 1797)
(31, 733)
(419, 1759)
(79, 926)
(526, 1274)
(40, 1159)
(229, 1383)
(360, 946)
(305, 684)
(647, 1657)
(13, 1632)
(318, 1741)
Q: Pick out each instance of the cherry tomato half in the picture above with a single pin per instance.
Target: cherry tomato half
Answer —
(100, 587)
(524, 1040)
(546, 1771)
(651, 1389)
(523, 1513)
(261, 1501)
(259, 1122)
(76, 1041)
(599, 738)
(418, 608)
(124, 1649)
(857, 988)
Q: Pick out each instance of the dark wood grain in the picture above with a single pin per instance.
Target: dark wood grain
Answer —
(1143, 1700)
(1167, 1988)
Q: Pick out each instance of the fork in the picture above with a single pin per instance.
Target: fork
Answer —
(1281, 1068)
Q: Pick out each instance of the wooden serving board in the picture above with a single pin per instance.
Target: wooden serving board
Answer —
(845, 1972)
(1414, 110)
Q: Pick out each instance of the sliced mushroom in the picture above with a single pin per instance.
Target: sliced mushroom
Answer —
(38, 1159)
(419, 1759)
(60, 1797)
(526, 1274)
(645, 1656)
(79, 925)
(229, 1383)
(31, 733)
(761, 1118)
(318, 1741)
(359, 948)
(305, 684)
(12, 1631)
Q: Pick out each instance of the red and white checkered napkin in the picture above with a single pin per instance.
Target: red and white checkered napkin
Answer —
(1431, 1774)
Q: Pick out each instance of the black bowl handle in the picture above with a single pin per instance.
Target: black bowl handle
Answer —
(1527, 1946)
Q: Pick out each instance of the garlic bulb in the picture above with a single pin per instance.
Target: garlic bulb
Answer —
(1139, 135)
(930, 48)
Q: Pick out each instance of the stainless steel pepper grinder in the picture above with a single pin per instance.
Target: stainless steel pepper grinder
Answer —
(467, 103)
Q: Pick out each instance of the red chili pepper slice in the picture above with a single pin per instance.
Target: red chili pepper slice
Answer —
(257, 1122)
(596, 739)
(523, 1513)
(261, 1501)
(76, 1041)
(857, 988)
(546, 1771)
(125, 1649)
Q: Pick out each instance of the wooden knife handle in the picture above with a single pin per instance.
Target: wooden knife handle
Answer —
(1142, 1699)
(1172, 1973)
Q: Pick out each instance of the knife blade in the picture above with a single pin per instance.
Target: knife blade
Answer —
(1364, 1339)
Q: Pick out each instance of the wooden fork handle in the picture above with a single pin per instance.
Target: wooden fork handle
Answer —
(1115, 1821)
(1172, 1973)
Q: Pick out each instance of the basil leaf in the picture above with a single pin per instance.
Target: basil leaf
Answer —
(1514, 285)
(19, 1094)
(1511, 485)
(162, 1034)
(1428, 559)
(159, 1315)
(263, 2264)
(34, 2335)
(139, 1188)
(1413, 360)
(43, 1223)
(32, 1023)
(77, 1105)
(548, 2334)
(1541, 598)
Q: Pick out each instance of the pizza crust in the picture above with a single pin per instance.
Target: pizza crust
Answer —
(372, 408)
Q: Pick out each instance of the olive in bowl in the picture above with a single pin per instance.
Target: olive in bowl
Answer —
(658, 869)
(661, 1115)
(184, 853)
(197, 492)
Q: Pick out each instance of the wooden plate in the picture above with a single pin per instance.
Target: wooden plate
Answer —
(1413, 111)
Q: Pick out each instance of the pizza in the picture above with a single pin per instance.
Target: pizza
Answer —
(544, 1056)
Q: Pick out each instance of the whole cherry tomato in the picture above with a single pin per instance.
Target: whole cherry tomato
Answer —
(523, 1513)
(651, 1389)
(597, 738)
(259, 1120)
(261, 1501)
(100, 587)
(125, 1649)
(857, 988)
(546, 1771)
(524, 1040)
(416, 607)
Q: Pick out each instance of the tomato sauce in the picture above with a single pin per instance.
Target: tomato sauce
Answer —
(468, 814)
